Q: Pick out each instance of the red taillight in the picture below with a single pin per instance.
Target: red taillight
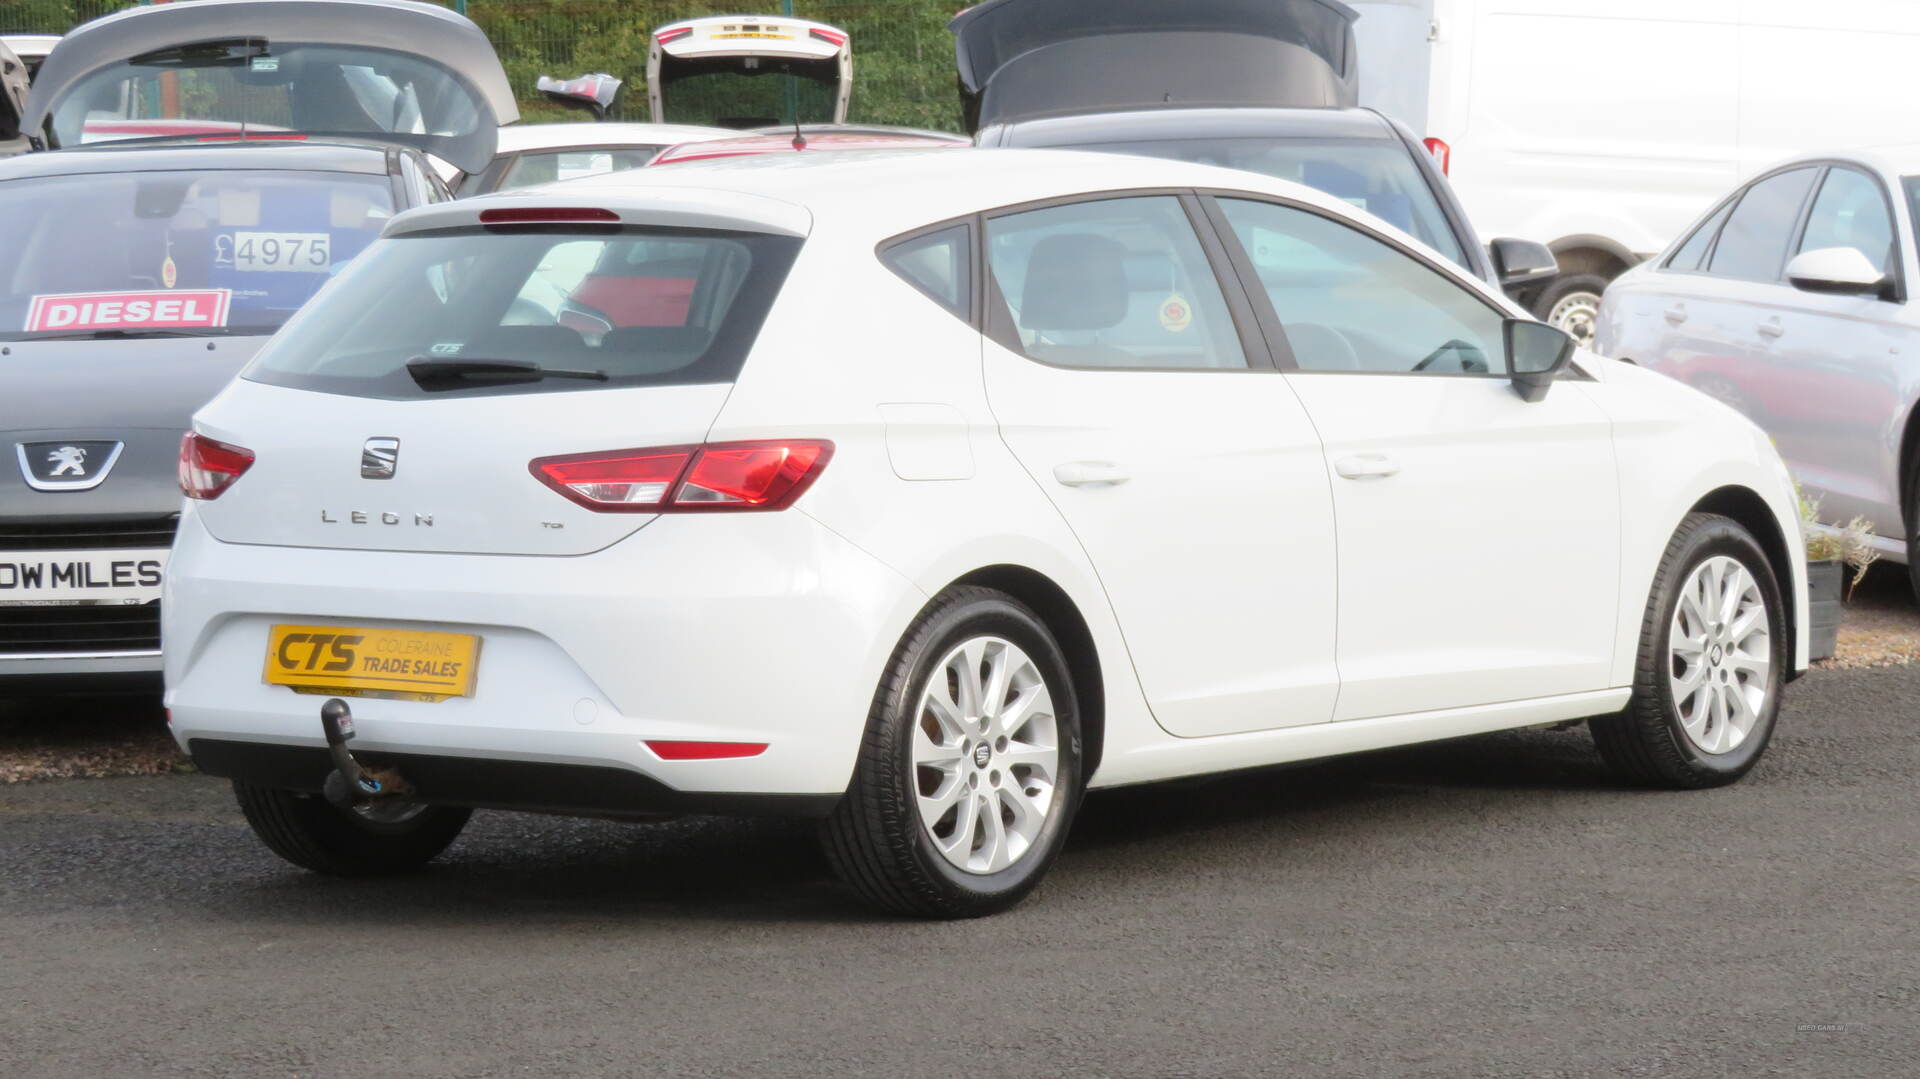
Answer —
(537, 215)
(829, 37)
(1441, 153)
(208, 467)
(675, 34)
(705, 751)
(688, 479)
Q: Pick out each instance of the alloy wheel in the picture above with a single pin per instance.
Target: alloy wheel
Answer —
(986, 755)
(1720, 655)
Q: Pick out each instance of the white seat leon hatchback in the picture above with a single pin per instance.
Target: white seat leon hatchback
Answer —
(921, 493)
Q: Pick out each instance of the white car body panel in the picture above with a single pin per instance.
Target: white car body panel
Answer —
(776, 627)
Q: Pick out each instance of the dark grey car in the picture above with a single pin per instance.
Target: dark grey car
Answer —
(1263, 85)
(136, 283)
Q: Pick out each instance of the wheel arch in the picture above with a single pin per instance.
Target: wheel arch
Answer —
(1589, 253)
(1744, 506)
(1057, 609)
(1908, 460)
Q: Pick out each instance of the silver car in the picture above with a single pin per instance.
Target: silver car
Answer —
(1790, 302)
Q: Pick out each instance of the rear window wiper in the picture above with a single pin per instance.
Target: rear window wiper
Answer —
(433, 374)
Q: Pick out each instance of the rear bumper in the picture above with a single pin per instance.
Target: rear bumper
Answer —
(577, 789)
(60, 672)
(764, 628)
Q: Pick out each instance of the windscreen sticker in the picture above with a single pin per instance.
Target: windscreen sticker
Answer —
(178, 310)
(1175, 314)
(447, 348)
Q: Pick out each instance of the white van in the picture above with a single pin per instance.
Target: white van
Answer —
(1603, 127)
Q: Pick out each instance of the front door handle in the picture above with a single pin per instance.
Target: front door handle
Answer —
(1090, 474)
(1366, 466)
(1772, 328)
(1677, 313)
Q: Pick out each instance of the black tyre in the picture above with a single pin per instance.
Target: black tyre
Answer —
(970, 771)
(1571, 302)
(1912, 517)
(1713, 656)
(312, 833)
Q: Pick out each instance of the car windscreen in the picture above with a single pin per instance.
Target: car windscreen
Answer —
(529, 309)
(724, 92)
(227, 252)
(1376, 175)
(548, 166)
(223, 85)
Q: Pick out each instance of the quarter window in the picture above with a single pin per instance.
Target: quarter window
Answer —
(1349, 302)
(1753, 245)
(1851, 212)
(939, 264)
(1693, 253)
(1114, 283)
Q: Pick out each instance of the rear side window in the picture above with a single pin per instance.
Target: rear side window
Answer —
(1753, 245)
(1116, 283)
(939, 264)
(1693, 253)
(473, 310)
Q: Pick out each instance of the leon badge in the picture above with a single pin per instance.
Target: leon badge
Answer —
(1175, 314)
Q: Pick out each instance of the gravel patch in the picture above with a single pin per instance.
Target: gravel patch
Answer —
(1881, 626)
(81, 737)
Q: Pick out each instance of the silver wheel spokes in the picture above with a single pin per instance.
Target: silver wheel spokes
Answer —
(1719, 655)
(986, 755)
(1578, 313)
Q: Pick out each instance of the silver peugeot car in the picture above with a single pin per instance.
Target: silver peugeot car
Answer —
(216, 164)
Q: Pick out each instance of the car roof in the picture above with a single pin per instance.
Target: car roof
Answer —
(521, 137)
(748, 145)
(1199, 123)
(870, 196)
(315, 156)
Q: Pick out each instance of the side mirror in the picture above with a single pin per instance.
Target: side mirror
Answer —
(1838, 271)
(1520, 262)
(594, 93)
(13, 93)
(1536, 354)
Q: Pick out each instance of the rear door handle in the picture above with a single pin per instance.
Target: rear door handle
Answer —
(1366, 466)
(1677, 313)
(1090, 474)
(1772, 328)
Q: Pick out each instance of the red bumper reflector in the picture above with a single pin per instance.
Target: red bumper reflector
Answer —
(705, 751)
(540, 215)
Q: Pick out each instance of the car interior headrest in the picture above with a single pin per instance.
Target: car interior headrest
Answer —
(1075, 281)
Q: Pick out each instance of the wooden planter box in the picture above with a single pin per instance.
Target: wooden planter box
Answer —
(1825, 581)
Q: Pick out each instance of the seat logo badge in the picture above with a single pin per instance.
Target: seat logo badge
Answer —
(378, 458)
(982, 753)
(66, 466)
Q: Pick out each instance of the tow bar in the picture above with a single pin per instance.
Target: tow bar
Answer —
(351, 784)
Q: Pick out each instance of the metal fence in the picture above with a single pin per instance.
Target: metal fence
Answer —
(902, 53)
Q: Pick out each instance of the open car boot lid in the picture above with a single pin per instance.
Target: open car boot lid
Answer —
(1025, 59)
(392, 70)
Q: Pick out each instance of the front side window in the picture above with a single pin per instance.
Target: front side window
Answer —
(1850, 211)
(477, 310)
(939, 264)
(1376, 175)
(549, 166)
(1753, 244)
(1115, 283)
(1349, 302)
(229, 252)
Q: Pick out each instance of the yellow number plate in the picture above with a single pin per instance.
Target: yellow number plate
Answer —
(354, 662)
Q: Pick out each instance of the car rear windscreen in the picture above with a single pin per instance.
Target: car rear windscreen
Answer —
(1376, 175)
(526, 309)
(222, 86)
(227, 252)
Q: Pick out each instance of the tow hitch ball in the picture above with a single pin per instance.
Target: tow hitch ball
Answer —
(351, 784)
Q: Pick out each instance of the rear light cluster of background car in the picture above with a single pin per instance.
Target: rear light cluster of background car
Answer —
(735, 476)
